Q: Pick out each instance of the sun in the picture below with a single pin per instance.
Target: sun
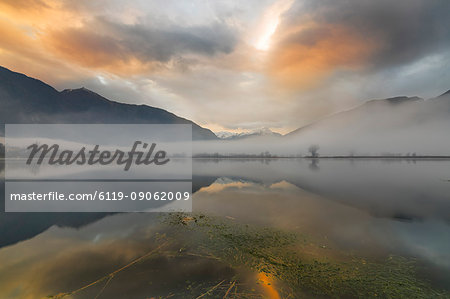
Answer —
(269, 23)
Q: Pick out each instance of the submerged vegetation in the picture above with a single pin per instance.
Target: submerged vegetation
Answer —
(278, 254)
(267, 263)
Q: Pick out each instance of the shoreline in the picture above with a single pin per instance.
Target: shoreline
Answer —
(325, 157)
(305, 157)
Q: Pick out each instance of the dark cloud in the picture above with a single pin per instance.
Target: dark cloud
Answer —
(405, 30)
(104, 42)
(324, 56)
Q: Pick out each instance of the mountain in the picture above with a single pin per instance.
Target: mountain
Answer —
(398, 125)
(263, 132)
(27, 100)
(369, 111)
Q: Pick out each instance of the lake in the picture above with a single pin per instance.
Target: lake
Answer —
(273, 228)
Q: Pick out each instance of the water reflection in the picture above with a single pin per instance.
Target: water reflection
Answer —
(367, 208)
(332, 224)
(384, 188)
(314, 165)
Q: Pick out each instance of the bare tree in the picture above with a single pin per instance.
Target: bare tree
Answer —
(313, 149)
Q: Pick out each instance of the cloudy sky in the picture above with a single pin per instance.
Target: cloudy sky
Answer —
(233, 65)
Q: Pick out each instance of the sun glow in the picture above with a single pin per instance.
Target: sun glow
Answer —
(270, 22)
(267, 285)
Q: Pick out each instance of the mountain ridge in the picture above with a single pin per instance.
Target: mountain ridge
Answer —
(29, 100)
(382, 127)
(263, 132)
(394, 101)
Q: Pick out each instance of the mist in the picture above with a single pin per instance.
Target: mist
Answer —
(397, 126)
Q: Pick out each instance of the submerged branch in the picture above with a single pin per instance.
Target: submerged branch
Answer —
(110, 275)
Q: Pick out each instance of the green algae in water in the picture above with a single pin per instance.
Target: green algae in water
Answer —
(277, 253)
(242, 256)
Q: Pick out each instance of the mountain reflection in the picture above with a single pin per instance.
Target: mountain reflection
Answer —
(372, 207)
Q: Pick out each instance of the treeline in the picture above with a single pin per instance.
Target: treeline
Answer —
(262, 155)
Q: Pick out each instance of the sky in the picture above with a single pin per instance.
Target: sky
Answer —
(233, 65)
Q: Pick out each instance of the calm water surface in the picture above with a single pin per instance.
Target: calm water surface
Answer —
(338, 211)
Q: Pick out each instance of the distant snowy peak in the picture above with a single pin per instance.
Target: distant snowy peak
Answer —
(225, 134)
(253, 133)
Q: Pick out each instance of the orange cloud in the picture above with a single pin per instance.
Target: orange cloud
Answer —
(23, 25)
(31, 44)
(35, 16)
(94, 51)
(304, 55)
